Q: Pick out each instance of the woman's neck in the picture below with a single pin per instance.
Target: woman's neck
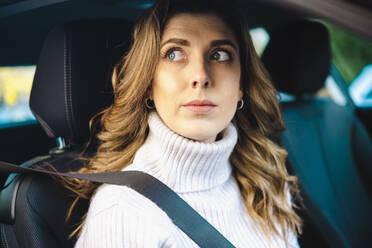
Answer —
(183, 164)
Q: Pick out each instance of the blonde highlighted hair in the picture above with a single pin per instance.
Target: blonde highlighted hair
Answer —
(258, 162)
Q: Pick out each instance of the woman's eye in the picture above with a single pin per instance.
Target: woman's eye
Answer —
(221, 56)
(174, 55)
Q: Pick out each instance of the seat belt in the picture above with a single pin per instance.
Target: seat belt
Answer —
(181, 213)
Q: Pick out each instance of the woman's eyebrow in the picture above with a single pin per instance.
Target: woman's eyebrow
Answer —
(214, 43)
(217, 43)
(181, 42)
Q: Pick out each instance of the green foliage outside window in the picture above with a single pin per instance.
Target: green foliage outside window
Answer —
(350, 52)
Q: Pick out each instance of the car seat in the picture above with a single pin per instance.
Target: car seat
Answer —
(326, 143)
(72, 83)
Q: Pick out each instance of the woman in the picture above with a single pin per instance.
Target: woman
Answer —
(194, 107)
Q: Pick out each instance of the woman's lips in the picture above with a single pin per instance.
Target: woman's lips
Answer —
(200, 107)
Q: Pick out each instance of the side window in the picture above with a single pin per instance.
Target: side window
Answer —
(15, 87)
(352, 65)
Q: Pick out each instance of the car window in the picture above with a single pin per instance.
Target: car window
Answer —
(352, 66)
(15, 88)
(350, 52)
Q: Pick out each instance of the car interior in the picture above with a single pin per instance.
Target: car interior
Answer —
(321, 136)
(329, 146)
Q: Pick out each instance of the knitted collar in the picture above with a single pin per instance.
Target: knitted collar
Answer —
(185, 165)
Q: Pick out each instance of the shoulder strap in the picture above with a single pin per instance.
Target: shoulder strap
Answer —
(182, 214)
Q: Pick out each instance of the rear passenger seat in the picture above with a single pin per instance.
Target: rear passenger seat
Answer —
(327, 145)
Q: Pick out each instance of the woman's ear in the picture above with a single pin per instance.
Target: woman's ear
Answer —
(240, 94)
(150, 93)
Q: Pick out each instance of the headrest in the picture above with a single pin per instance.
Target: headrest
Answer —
(73, 75)
(298, 57)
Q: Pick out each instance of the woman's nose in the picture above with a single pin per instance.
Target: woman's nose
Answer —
(200, 74)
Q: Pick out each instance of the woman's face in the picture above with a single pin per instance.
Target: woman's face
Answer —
(196, 85)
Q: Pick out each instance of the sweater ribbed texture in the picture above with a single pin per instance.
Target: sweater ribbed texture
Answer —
(199, 172)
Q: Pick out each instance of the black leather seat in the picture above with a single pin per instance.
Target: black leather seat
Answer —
(71, 84)
(328, 146)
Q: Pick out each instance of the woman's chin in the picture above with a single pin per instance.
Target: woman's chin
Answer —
(197, 129)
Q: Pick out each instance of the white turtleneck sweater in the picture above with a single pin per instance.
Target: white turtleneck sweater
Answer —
(199, 172)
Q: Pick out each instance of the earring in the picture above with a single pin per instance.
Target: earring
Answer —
(240, 104)
(149, 103)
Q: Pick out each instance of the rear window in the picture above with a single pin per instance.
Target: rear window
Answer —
(15, 88)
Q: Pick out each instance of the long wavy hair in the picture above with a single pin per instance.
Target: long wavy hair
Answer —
(258, 162)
